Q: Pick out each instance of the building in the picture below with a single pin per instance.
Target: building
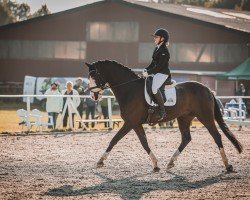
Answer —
(203, 42)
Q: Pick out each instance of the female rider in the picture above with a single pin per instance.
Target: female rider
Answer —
(159, 68)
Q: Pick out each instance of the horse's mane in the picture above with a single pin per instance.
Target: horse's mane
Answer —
(113, 62)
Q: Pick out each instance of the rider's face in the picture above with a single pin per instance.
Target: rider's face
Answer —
(157, 39)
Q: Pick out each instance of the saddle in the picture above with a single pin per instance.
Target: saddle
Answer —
(167, 89)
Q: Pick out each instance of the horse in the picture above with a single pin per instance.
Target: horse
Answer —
(193, 100)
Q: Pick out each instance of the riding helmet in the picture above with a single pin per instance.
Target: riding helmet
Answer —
(162, 33)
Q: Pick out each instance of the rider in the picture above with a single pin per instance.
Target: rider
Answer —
(158, 68)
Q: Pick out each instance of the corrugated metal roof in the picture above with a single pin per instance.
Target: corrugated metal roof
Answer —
(237, 20)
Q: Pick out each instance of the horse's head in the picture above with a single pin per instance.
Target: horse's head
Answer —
(96, 82)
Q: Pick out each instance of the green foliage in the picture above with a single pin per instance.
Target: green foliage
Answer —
(41, 12)
(6, 16)
(232, 4)
(227, 4)
(10, 12)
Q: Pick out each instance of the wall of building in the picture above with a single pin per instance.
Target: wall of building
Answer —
(193, 44)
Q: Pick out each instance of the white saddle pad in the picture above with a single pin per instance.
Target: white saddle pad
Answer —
(170, 93)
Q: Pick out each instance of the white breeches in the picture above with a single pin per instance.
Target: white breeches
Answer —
(158, 80)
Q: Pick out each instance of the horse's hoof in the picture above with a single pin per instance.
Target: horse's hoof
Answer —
(100, 164)
(230, 169)
(156, 169)
(170, 165)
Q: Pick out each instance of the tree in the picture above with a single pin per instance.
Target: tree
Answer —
(228, 4)
(232, 4)
(41, 12)
(11, 12)
(6, 16)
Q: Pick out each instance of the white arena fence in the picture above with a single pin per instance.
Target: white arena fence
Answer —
(28, 98)
(237, 115)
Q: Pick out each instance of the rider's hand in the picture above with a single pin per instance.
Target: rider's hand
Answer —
(144, 73)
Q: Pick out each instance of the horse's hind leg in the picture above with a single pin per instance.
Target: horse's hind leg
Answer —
(143, 139)
(119, 135)
(210, 125)
(184, 123)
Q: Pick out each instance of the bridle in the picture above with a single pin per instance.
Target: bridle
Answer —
(102, 84)
(105, 85)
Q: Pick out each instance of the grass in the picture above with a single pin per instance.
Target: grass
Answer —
(9, 121)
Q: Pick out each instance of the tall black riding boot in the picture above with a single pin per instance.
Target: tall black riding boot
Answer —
(160, 102)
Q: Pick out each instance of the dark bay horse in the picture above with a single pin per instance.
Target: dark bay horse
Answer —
(193, 100)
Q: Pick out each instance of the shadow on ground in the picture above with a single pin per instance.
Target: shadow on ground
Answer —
(131, 188)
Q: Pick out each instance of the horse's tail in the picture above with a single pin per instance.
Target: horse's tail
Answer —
(224, 127)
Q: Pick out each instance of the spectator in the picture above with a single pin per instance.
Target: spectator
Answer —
(53, 104)
(80, 89)
(242, 92)
(104, 105)
(75, 100)
(91, 107)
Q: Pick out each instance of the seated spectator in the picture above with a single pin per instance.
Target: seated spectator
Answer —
(76, 101)
(53, 104)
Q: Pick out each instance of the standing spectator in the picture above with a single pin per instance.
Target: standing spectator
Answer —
(76, 101)
(91, 107)
(53, 104)
(242, 92)
(104, 105)
(80, 89)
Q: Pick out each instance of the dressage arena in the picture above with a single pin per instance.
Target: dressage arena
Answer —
(63, 166)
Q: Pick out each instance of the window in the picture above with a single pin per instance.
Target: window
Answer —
(231, 52)
(194, 53)
(3, 49)
(15, 47)
(113, 31)
(145, 52)
(29, 49)
(199, 53)
(46, 49)
(70, 50)
(21, 49)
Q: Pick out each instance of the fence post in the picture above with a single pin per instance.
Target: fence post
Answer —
(110, 113)
(28, 114)
(240, 109)
(70, 113)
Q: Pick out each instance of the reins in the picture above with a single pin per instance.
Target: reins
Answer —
(125, 82)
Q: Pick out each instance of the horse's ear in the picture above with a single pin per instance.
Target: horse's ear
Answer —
(88, 65)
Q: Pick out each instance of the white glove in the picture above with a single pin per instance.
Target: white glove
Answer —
(145, 73)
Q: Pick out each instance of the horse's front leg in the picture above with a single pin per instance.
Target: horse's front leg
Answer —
(119, 135)
(143, 139)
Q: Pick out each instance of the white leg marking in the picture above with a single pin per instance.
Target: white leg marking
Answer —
(153, 158)
(224, 157)
(176, 154)
(173, 158)
(105, 156)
